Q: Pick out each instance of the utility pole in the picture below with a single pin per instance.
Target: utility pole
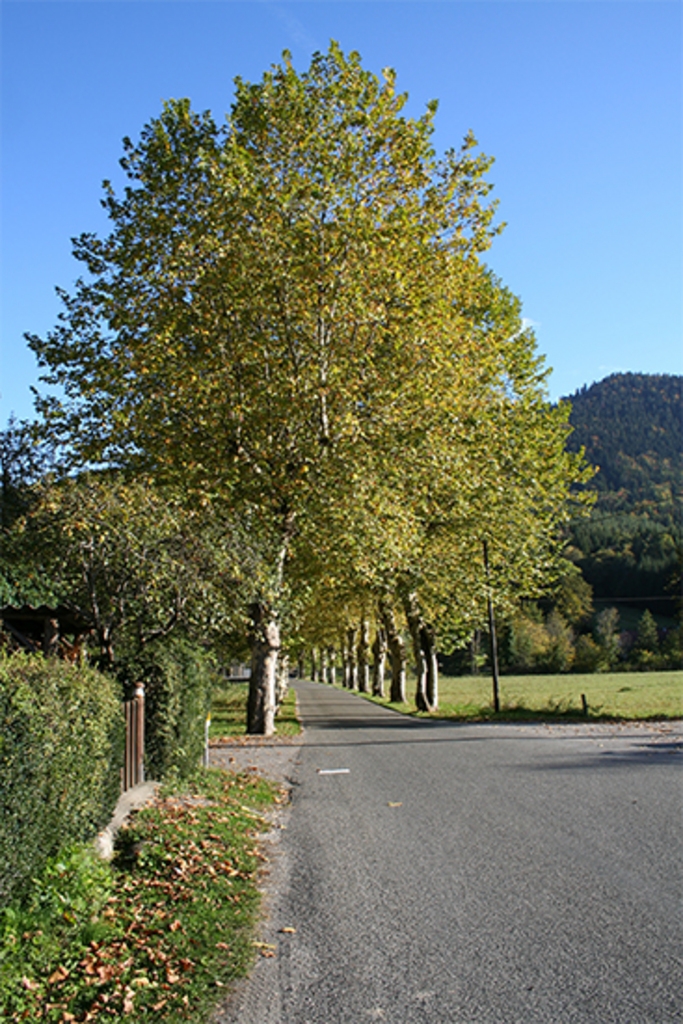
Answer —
(492, 632)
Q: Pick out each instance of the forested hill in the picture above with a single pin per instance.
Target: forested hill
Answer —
(629, 548)
(631, 427)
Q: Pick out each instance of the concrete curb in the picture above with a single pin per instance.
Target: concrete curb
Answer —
(132, 800)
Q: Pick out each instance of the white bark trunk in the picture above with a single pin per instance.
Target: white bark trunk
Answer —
(363, 656)
(331, 666)
(426, 665)
(379, 657)
(262, 685)
(282, 682)
(397, 655)
(351, 663)
(432, 670)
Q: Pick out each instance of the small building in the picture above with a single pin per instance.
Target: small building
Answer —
(44, 629)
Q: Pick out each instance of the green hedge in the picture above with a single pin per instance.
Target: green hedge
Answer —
(61, 744)
(178, 677)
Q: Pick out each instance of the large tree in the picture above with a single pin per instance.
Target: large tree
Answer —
(287, 306)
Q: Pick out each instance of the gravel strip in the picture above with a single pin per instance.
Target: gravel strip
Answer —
(256, 998)
(275, 758)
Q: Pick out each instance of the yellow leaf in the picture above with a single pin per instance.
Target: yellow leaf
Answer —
(59, 975)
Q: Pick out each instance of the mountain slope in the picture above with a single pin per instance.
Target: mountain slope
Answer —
(630, 425)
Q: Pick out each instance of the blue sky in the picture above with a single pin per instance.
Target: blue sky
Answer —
(579, 102)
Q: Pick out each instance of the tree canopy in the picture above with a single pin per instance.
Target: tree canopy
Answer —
(291, 317)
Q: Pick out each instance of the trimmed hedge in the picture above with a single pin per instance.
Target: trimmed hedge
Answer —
(61, 748)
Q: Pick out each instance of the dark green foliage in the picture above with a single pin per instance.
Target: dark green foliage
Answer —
(647, 638)
(60, 752)
(607, 635)
(178, 677)
(628, 556)
(630, 425)
(630, 548)
(21, 464)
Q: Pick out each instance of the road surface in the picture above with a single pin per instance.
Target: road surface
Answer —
(499, 874)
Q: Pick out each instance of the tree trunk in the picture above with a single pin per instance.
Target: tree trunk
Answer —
(492, 633)
(314, 665)
(262, 685)
(379, 656)
(351, 663)
(397, 655)
(426, 665)
(106, 658)
(414, 620)
(331, 666)
(363, 656)
(344, 660)
(282, 681)
(429, 648)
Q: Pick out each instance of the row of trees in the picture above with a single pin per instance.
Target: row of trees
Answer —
(289, 368)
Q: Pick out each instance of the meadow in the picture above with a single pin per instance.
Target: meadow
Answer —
(609, 695)
(628, 695)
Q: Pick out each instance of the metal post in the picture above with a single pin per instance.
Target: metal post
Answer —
(492, 633)
(140, 734)
(207, 726)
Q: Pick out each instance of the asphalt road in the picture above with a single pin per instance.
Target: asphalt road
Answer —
(474, 873)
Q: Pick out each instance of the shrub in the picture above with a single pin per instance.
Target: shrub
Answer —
(589, 656)
(528, 644)
(607, 636)
(647, 638)
(535, 646)
(178, 677)
(60, 756)
(560, 654)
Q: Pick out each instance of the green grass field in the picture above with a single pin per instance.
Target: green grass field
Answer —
(630, 695)
(229, 712)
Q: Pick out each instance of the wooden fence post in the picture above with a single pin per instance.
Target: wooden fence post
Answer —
(134, 761)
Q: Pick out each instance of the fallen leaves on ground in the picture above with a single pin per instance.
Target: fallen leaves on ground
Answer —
(179, 923)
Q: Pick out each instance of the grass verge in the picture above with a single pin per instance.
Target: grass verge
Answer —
(617, 695)
(156, 935)
(229, 712)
